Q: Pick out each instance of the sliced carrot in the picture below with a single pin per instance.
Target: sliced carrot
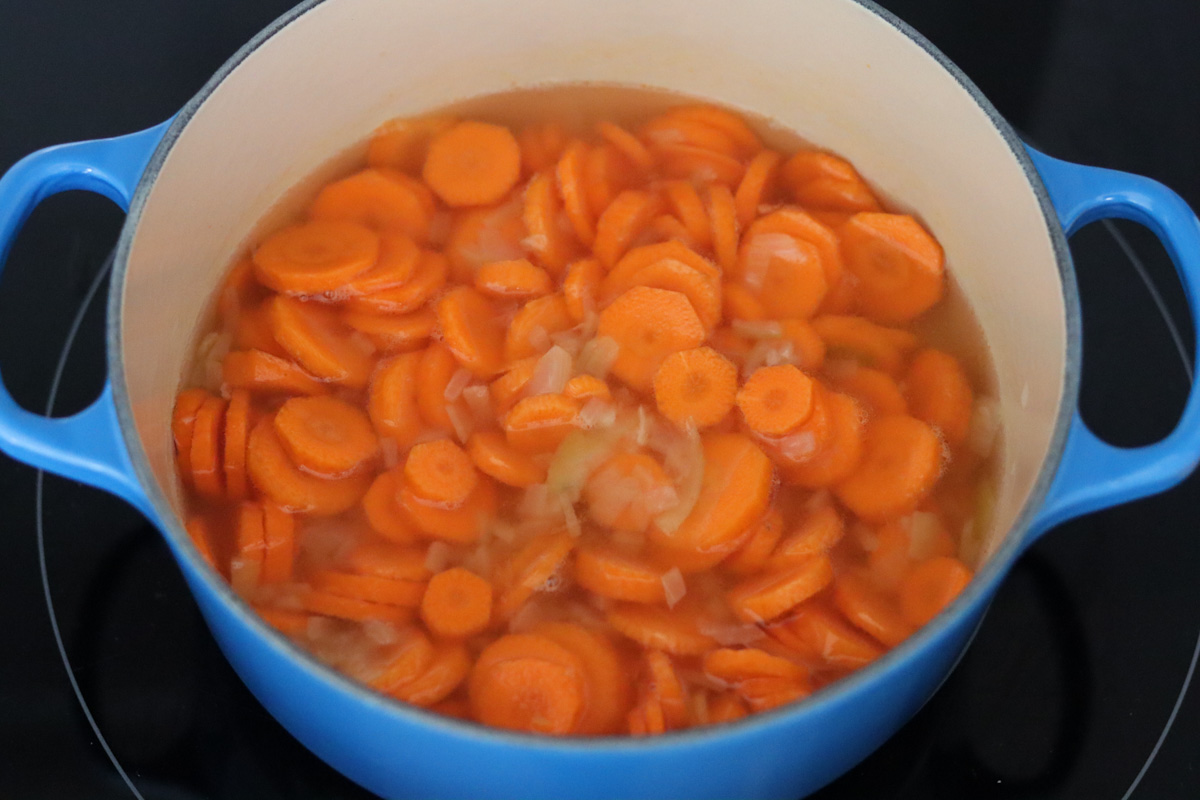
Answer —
(786, 274)
(827, 182)
(804, 227)
(369, 588)
(842, 452)
(327, 604)
(183, 421)
(621, 222)
(629, 145)
(428, 278)
(580, 287)
(805, 443)
(279, 545)
(245, 570)
(830, 219)
(402, 143)
(493, 456)
(273, 473)
(483, 235)
(869, 611)
(777, 400)
(744, 141)
(739, 303)
(461, 525)
(608, 691)
(405, 660)
(453, 707)
(440, 472)
(392, 402)
(735, 666)
(450, 666)
(528, 682)
(382, 199)
(901, 462)
(808, 348)
(610, 573)
(398, 256)
(649, 324)
(857, 338)
(698, 385)
(259, 372)
(530, 330)
(757, 185)
(627, 491)
(874, 390)
(319, 342)
(931, 586)
(763, 694)
(541, 145)
(434, 372)
(239, 290)
(472, 164)
(940, 393)
(726, 707)
(666, 227)
(646, 718)
(816, 533)
(539, 424)
(900, 267)
(672, 631)
(753, 555)
(201, 535)
(732, 345)
(315, 257)
(386, 560)
(287, 622)
(394, 333)
(570, 174)
(663, 684)
(547, 237)
(253, 331)
(722, 216)
(587, 387)
(699, 164)
(205, 453)
(823, 633)
(620, 277)
(325, 436)
(513, 280)
(529, 570)
(763, 598)
(472, 330)
(685, 202)
(509, 388)
(607, 172)
(457, 603)
(703, 292)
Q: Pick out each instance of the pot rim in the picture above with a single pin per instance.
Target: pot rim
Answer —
(984, 583)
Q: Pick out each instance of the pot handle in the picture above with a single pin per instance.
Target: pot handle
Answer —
(1093, 474)
(87, 446)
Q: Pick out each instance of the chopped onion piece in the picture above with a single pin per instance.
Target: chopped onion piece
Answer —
(797, 447)
(643, 429)
(580, 454)
(535, 243)
(570, 517)
(463, 424)
(596, 357)
(380, 632)
(660, 499)
(437, 557)
(684, 461)
(456, 384)
(729, 634)
(504, 531)
(985, 425)
(673, 586)
(479, 560)
(596, 413)
(923, 529)
(390, 451)
(551, 374)
(479, 400)
(540, 501)
(761, 250)
(769, 353)
(757, 328)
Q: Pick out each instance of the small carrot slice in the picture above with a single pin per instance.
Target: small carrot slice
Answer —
(368, 588)
(405, 660)
(457, 604)
(450, 666)
(627, 491)
(734, 666)
(726, 707)
(287, 622)
(686, 204)
(649, 324)
(530, 330)
(874, 390)
(869, 611)
(493, 456)
(610, 573)
(757, 185)
(857, 338)
(327, 604)
(462, 525)
(786, 274)
(547, 237)
(398, 256)
(815, 534)
(320, 342)
(472, 164)
(671, 128)
(529, 570)
(823, 633)
(753, 555)
(261, 373)
(763, 694)
(541, 145)
(763, 598)
(804, 227)
(401, 143)
(273, 473)
(776, 400)
(201, 535)
(666, 227)
(471, 330)
(509, 388)
(392, 401)
(315, 257)
(205, 452)
(739, 303)
(481, 235)
(939, 393)
(428, 278)
(664, 685)
(393, 333)
(888, 563)
(253, 331)
(842, 451)
(826, 182)
(808, 349)
(744, 140)
(699, 164)
(607, 172)
(325, 436)
(646, 718)
(381, 199)
(722, 216)
(931, 586)
(703, 292)
(279, 545)
(698, 385)
(587, 387)
(440, 472)
(183, 421)
(629, 145)
(900, 267)
(901, 462)
(622, 221)
(245, 569)
(539, 424)
(527, 682)
(673, 631)
(434, 372)
(386, 560)
(620, 277)
(516, 279)
(580, 287)
(570, 174)
(608, 691)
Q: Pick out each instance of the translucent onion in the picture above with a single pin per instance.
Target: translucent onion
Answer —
(551, 374)
(454, 387)
(757, 328)
(683, 459)
(761, 250)
(674, 587)
(437, 558)
(596, 357)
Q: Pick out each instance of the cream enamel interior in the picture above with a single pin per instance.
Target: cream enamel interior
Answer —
(831, 70)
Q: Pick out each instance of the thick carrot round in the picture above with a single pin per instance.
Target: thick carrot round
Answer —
(864, 341)
(629, 145)
(826, 182)
(699, 164)
(401, 143)
(516, 279)
(627, 491)
(756, 186)
(539, 424)
(901, 462)
(743, 140)
(320, 342)
(722, 216)
(672, 631)
(382, 508)
(587, 387)
(471, 329)
(776, 400)
(273, 473)
(580, 287)
(786, 274)
(686, 204)
(530, 330)
(808, 349)
(315, 257)
(237, 430)
(662, 682)
(392, 401)
(870, 611)
(368, 588)
(570, 174)
(493, 456)
(406, 660)
(875, 391)
(457, 603)
(398, 257)
(939, 393)
(472, 164)
(621, 222)
(252, 331)
(816, 533)
(279, 545)
(428, 278)
(699, 385)
(753, 555)
(610, 573)
(841, 452)
(205, 452)
(529, 570)
(541, 145)
(931, 586)
(394, 333)
(381, 199)
(435, 370)
(703, 292)
(825, 634)
(480, 236)
(450, 666)
(386, 560)
(547, 234)
(736, 665)
(325, 436)
(462, 525)
(620, 277)
(608, 691)
(352, 609)
(262, 373)
(606, 174)
(804, 227)
(772, 594)
(509, 388)
(527, 682)
(440, 472)
(899, 266)
(183, 421)
(648, 325)
(667, 227)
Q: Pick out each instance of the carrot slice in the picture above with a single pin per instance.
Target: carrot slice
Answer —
(320, 342)
(698, 385)
(279, 545)
(627, 491)
(671, 128)
(289, 623)
(901, 462)
(315, 257)
(842, 451)
(527, 682)
(480, 236)
(368, 588)
(649, 324)
(857, 338)
(686, 204)
(808, 349)
(570, 174)
(722, 216)
(673, 631)
(245, 569)
(239, 290)
(580, 287)
(406, 660)
(816, 533)
(440, 472)
(530, 569)
(428, 278)
(610, 573)
(629, 145)
(183, 421)
(587, 387)
(931, 586)
(699, 164)
(735, 666)
(773, 594)
(607, 172)
(646, 718)
(874, 390)
(201, 535)
(739, 303)
(325, 436)
(205, 452)
(457, 603)
(260, 372)
(382, 199)
(449, 668)
(547, 237)
(462, 525)
(620, 277)
(472, 164)
(493, 456)
(539, 424)
(386, 560)
(940, 393)
(392, 401)
(824, 181)
(622, 221)
(398, 256)
(664, 685)
(471, 330)
(869, 611)
(393, 333)
(608, 692)
(703, 292)
(252, 331)
(776, 400)
(666, 227)
(805, 228)
(888, 563)
(763, 694)
(726, 707)
(402, 143)
(327, 604)
(237, 430)
(900, 267)
(541, 145)
(744, 140)
(273, 473)
(823, 633)
(786, 274)
(434, 372)
(530, 330)
(757, 185)
(516, 279)
(753, 555)
(510, 387)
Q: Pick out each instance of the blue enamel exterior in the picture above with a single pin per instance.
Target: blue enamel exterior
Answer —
(398, 751)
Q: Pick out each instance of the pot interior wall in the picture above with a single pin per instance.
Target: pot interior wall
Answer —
(831, 70)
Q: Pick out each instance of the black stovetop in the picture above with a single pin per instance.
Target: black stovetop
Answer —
(1076, 686)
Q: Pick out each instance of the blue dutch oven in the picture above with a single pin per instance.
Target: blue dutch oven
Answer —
(844, 74)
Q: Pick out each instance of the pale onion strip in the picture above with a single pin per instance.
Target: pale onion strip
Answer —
(479, 400)
(643, 429)
(380, 632)
(596, 357)
(574, 528)
(685, 462)
(923, 530)
(757, 328)
(437, 557)
(463, 424)
(551, 374)
(769, 353)
(454, 387)
(580, 454)
(596, 413)
(390, 451)
(797, 447)
(761, 250)
(674, 587)
(729, 634)
(504, 531)
(984, 427)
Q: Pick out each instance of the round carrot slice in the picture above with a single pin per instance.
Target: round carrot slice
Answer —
(205, 452)
(569, 172)
(744, 141)
(931, 586)
(279, 545)
(382, 199)
(629, 145)
(315, 257)
(515, 279)
(580, 287)
(392, 401)
(663, 684)
(398, 256)
(252, 331)
(869, 611)
(401, 143)
(703, 292)
(627, 491)
(457, 603)
(722, 216)
(825, 182)
(608, 693)
(394, 333)
(673, 631)
(509, 388)
(698, 385)
(436, 369)
(237, 430)
(320, 342)
(757, 184)
(539, 424)
(752, 556)
(901, 462)
(405, 660)
(610, 573)
(428, 278)
(842, 451)
(493, 456)
(245, 569)
(472, 164)
(621, 222)
(773, 594)
(699, 165)
(327, 604)
(874, 390)
(462, 525)
(649, 324)
(587, 387)
(325, 436)
(263, 373)
(776, 400)
(368, 588)
(803, 227)
(529, 570)
(689, 208)
(786, 274)
(940, 393)
(482, 235)
(541, 145)
(823, 633)
(607, 172)
(183, 421)
(734, 666)
(530, 330)
(864, 341)
(527, 682)
(273, 473)
(899, 266)
(386, 560)
(815, 534)
(472, 330)
(449, 668)
(547, 236)
(440, 472)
